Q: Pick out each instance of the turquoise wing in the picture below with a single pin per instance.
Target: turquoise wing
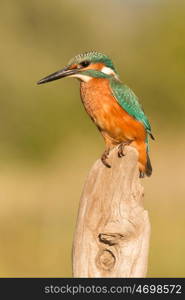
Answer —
(129, 102)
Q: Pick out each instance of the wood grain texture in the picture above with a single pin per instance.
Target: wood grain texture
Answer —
(113, 229)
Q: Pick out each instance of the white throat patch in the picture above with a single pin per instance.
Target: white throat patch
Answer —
(82, 77)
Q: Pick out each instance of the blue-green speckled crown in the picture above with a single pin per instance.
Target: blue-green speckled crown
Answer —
(93, 57)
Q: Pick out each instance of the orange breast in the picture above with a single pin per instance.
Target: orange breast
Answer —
(112, 120)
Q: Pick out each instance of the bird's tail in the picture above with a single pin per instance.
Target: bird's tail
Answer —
(148, 167)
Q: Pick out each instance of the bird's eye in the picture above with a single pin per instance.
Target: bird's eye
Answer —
(85, 63)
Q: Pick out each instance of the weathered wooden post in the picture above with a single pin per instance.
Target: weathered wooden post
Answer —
(113, 229)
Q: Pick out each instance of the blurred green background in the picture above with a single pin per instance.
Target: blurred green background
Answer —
(48, 143)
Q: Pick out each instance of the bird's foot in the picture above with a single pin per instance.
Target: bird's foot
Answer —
(121, 148)
(104, 158)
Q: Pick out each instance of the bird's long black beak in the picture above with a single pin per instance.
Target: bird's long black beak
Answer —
(57, 75)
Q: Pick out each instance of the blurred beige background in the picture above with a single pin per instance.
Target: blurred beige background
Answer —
(48, 143)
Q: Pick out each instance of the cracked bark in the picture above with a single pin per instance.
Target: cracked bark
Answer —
(113, 229)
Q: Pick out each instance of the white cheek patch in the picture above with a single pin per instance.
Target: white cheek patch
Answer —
(82, 77)
(109, 71)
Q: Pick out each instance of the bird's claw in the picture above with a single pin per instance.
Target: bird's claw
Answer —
(121, 148)
(104, 158)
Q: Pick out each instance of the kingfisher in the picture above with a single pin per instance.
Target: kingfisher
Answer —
(112, 106)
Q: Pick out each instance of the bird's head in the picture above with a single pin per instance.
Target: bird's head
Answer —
(85, 67)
